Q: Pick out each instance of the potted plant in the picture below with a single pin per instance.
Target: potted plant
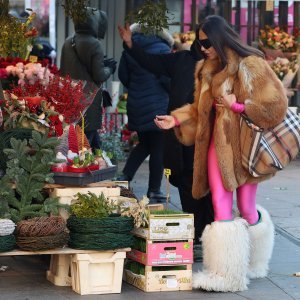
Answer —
(94, 225)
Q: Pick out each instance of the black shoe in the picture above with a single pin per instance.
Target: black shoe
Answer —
(123, 177)
(157, 196)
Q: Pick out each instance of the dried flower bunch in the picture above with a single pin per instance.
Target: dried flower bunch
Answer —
(16, 35)
(139, 212)
(275, 38)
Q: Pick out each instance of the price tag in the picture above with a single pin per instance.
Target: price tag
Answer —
(33, 58)
(167, 172)
(172, 283)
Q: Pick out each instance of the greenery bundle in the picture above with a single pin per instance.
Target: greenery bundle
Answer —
(92, 206)
(28, 168)
(152, 16)
(16, 35)
(94, 226)
(76, 9)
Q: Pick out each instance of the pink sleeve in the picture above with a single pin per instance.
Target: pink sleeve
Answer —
(177, 123)
(237, 107)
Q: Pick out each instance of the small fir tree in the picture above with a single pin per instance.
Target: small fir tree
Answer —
(28, 167)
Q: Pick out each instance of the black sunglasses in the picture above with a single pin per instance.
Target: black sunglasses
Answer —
(205, 43)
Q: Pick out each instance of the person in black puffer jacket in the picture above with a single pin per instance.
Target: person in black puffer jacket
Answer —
(179, 67)
(147, 97)
(82, 58)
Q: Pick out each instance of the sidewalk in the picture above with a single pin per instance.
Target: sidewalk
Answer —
(25, 277)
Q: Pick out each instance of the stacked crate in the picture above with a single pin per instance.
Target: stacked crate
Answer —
(162, 258)
(84, 270)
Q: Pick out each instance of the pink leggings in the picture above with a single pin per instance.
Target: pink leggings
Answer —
(223, 200)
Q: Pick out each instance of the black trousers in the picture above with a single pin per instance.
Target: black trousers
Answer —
(201, 208)
(150, 143)
(94, 139)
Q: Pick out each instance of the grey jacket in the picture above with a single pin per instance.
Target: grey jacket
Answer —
(85, 62)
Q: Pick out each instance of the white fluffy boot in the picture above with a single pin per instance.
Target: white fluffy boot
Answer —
(262, 242)
(226, 252)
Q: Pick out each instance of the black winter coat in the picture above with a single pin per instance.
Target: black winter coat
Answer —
(179, 67)
(86, 62)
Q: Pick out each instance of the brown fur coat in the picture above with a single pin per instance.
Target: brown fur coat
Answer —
(254, 84)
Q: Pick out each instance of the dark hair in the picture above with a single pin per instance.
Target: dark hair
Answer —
(221, 35)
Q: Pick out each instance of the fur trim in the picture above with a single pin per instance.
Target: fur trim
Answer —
(254, 84)
(262, 243)
(225, 257)
(164, 34)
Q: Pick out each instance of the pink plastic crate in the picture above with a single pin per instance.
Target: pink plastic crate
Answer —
(172, 253)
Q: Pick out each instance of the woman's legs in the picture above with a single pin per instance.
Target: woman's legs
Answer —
(221, 198)
(225, 244)
(246, 202)
(261, 230)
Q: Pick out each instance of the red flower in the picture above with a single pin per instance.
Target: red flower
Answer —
(3, 73)
(56, 125)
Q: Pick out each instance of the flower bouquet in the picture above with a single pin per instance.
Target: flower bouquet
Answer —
(31, 112)
(285, 70)
(16, 35)
(183, 41)
(277, 43)
(16, 71)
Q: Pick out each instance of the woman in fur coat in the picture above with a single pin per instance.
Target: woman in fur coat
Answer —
(233, 78)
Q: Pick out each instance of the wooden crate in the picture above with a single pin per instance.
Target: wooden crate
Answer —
(66, 195)
(98, 273)
(168, 227)
(161, 281)
(167, 253)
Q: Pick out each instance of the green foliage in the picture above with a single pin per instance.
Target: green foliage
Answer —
(76, 9)
(152, 16)
(16, 35)
(113, 146)
(4, 8)
(28, 167)
(92, 206)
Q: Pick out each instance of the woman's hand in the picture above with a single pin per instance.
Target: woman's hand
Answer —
(164, 122)
(228, 100)
(125, 34)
